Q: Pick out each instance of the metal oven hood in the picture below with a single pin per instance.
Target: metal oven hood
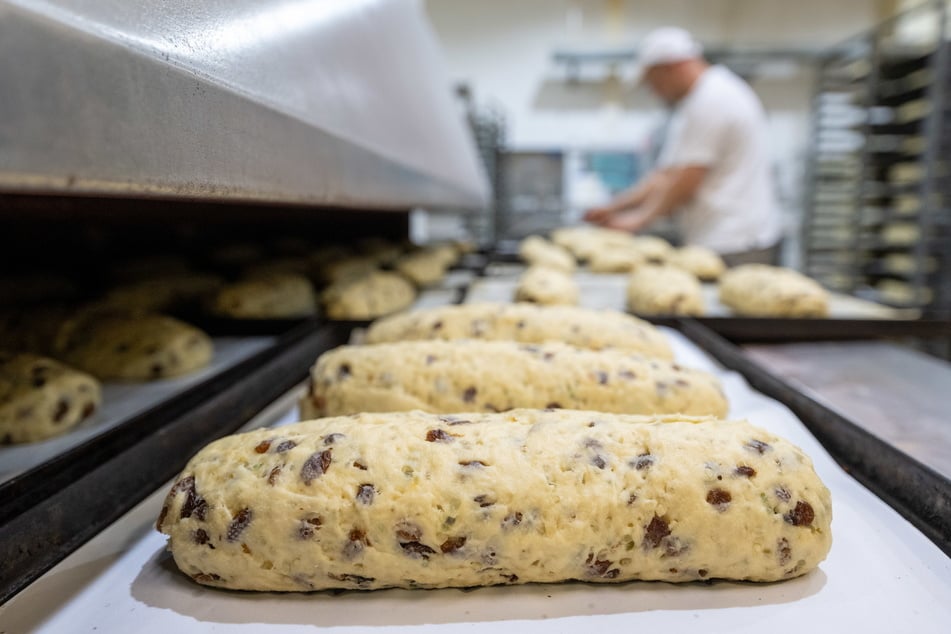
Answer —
(316, 102)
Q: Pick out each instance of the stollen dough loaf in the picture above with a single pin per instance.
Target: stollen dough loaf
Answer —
(424, 267)
(368, 297)
(700, 262)
(132, 347)
(664, 290)
(537, 251)
(474, 375)
(542, 285)
(415, 500)
(759, 290)
(616, 260)
(653, 248)
(527, 323)
(40, 398)
(163, 293)
(273, 296)
(585, 241)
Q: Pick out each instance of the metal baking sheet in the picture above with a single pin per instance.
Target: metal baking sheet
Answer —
(122, 401)
(881, 575)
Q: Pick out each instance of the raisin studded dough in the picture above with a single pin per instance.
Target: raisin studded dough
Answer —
(585, 241)
(759, 290)
(616, 260)
(164, 292)
(664, 290)
(473, 375)
(368, 297)
(274, 296)
(130, 347)
(526, 323)
(424, 267)
(40, 398)
(537, 251)
(541, 285)
(701, 262)
(417, 500)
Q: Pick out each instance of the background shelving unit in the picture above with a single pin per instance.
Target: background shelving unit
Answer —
(879, 220)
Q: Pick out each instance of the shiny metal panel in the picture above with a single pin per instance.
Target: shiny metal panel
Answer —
(324, 102)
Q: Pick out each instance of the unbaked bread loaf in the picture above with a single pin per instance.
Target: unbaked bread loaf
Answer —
(368, 297)
(616, 260)
(163, 293)
(537, 251)
(527, 323)
(424, 267)
(664, 290)
(272, 296)
(700, 262)
(759, 290)
(474, 375)
(417, 500)
(132, 347)
(40, 398)
(542, 285)
(586, 240)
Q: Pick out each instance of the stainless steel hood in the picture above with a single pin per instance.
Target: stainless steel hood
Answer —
(323, 102)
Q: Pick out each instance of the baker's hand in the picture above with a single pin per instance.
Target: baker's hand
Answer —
(598, 215)
(630, 221)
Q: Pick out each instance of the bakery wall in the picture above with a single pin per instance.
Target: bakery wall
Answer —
(502, 49)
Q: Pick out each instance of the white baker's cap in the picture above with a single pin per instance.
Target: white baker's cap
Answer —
(666, 45)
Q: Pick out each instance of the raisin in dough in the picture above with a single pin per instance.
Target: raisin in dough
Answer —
(473, 375)
(759, 290)
(527, 323)
(541, 285)
(368, 297)
(416, 500)
(700, 262)
(664, 290)
(276, 296)
(537, 251)
(132, 347)
(40, 398)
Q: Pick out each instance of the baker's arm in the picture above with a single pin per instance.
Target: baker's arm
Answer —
(628, 199)
(673, 188)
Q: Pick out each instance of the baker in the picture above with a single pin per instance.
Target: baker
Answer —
(713, 171)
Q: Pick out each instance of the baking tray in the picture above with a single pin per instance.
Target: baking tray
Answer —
(54, 508)
(850, 318)
(122, 403)
(882, 574)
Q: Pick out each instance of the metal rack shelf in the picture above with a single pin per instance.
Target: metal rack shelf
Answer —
(885, 194)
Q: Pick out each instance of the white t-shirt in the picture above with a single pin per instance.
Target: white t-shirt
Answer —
(721, 125)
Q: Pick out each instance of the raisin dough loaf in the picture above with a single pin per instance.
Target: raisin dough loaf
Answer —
(664, 290)
(616, 260)
(132, 347)
(416, 500)
(368, 297)
(759, 290)
(163, 293)
(699, 261)
(537, 251)
(40, 398)
(274, 296)
(424, 267)
(542, 285)
(527, 323)
(472, 375)
(584, 241)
